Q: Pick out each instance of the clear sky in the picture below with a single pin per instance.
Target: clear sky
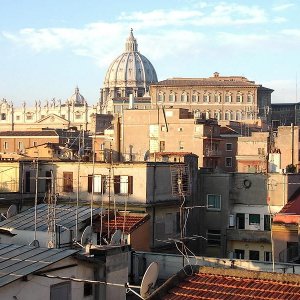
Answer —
(47, 47)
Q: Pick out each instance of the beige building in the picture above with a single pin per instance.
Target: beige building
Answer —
(220, 97)
(145, 132)
(252, 154)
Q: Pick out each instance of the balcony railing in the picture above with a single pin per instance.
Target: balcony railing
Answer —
(249, 235)
(212, 153)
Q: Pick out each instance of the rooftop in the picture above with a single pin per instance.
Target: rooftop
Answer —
(17, 261)
(65, 216)
(196, 282)
(29, 133)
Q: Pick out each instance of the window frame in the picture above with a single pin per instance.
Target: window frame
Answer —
(251, 222)
(213, 238)
(214, 207)
(117, 185)
(68, 186)
(229, 158)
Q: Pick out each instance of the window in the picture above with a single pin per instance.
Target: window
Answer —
(3, 116)
(123, 184)
(213, 202)
(240, 221)
(194, 98)
(87, 289)
(228, 146)
(253, 255)
(267, 223)
(17, 118)
(239, 98)
(249, 98)
(227, 115)
(68, 182)
(228, 162)
(172, 98)
(61, 291)
(20, 146)
(161, 98)
(184, 98)
(5, 145)
(162, 146)
(213, 237)
(48, 182)
(228, 98)
(168, 223)
(98, 183)
(29, 117)
(267, 256)
(77, 116)
(261, 151)
(205, 98)
(238, 116)
(181, 145)
(239, 253)
(254, 219)
(217, 98)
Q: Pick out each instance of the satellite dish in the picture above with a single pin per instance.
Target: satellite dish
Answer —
(116, 238)
(35, 243)
(12, 211)
(149, 280)
(85, 238)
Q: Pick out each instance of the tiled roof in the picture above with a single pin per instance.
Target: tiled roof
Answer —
(205, 82)
(29, 133)
(290, 213)
(127, 222)
(217, 283)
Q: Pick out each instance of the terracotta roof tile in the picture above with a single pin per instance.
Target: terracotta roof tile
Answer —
(127, 222)
(205, 285)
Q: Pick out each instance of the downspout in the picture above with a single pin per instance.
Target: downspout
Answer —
(292, 150)
(153, 205)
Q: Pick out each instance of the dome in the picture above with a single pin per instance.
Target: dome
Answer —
(130, 69)
(76, 98)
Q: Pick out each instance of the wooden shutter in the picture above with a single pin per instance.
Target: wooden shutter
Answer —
(68, 182)
(90, 183)
(117, 184)
(130, 184)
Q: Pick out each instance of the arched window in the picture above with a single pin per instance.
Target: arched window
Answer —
(161, 97)
(172, 97)
(238, 115)
(195, 97)
(239, 98)
(184, 97)
(227, 115)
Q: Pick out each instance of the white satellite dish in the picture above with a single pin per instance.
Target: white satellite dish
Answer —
(12, 211)
(85, 238)
(35, 243)
(116, 238)
(149, 280)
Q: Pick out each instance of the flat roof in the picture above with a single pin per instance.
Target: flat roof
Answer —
(65, 216)
(17, 261)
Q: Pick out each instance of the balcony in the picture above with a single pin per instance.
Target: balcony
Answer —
(212, 153)
(244, 235)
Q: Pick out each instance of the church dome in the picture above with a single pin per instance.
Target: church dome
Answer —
(76, 98)
(130, 69)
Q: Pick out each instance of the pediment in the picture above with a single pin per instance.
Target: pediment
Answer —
(53, 119)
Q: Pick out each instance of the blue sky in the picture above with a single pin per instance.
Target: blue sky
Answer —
(49, 47)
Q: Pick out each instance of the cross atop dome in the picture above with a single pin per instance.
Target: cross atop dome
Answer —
(131, 44)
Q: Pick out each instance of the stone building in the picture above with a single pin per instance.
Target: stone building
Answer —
(74, 112)
(219, 97)
(130, 73)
